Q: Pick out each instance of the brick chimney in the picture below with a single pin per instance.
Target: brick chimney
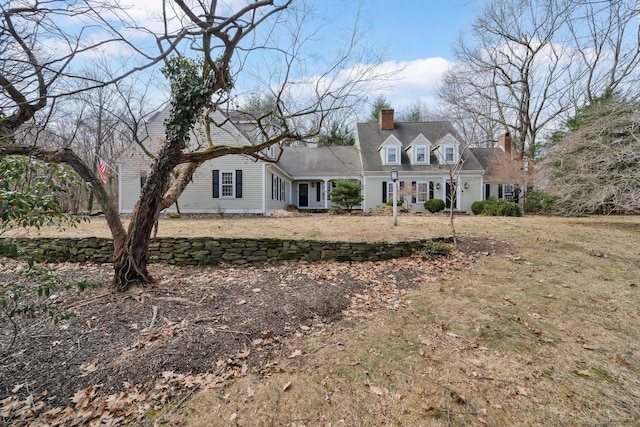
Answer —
(386, 119)
(504, 142)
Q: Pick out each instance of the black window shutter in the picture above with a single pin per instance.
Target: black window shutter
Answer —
(239, 184)
(499, 191)
(384, 191)
(430, 190)
(216, 183)
(414, 188)
(487, 191)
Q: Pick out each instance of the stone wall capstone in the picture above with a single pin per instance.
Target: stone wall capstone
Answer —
(211, 251)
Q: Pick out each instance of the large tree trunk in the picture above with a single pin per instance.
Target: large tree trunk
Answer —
(130, 260)
(190, 93)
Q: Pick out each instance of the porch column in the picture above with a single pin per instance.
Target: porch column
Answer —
(326, 193)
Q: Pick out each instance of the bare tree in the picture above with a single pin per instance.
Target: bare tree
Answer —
(525, 66)
(224, 39)
(595, 166)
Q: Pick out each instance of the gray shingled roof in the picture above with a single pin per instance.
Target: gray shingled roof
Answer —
(370, 136)
(486, 156)
(313, 161)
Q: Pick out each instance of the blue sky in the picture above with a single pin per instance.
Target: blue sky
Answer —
(418, 29)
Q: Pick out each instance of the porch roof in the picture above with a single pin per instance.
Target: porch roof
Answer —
(332, 161)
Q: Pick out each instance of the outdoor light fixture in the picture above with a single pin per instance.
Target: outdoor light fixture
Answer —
(394, 178)
(466, 185)
(437, 186)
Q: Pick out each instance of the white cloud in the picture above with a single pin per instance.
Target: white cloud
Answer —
(411, 81)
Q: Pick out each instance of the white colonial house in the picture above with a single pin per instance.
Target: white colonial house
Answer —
(422, 152)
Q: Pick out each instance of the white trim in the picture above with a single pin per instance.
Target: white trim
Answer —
(233, 184)
(427, 151)
(120, 195)
(264, 188)
(448, 141)
(390, 142)
(425, 183)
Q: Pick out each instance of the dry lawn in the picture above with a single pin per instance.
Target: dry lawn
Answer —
(547, 333)
(548, 336)
(317, 226)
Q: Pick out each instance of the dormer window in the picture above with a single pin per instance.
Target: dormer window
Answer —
(447, 149)
(419, 150)
(448, 154)
(390, 151)
(392, 155)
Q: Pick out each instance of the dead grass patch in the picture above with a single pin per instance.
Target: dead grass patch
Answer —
(541, 326)
(546, 335)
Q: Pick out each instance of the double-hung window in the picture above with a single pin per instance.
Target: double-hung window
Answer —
(448, 154)
(421, 154)
(278, 189)
(392, 155)
(390, 190)
(422, 192)
(226, 184)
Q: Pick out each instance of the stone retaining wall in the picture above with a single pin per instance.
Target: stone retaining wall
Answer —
(208, 251)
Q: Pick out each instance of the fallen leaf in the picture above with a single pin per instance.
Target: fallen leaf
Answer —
(242, 302)
(295, 354)
(89, 367)
(287, 386)
(256, 290)
(244, 354)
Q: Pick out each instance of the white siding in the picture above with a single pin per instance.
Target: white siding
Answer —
(132, 164)
(373, 190)
(274, 204)
(198, 196)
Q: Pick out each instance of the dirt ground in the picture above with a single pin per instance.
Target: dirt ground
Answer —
(122, 355)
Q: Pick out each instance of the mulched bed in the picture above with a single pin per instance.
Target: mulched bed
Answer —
(123, 354)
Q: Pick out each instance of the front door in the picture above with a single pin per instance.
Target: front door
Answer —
(303, 195)
(451, 193)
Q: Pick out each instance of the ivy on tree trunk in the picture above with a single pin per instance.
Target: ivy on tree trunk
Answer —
(192, 86)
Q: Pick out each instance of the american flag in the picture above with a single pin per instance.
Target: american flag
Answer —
(102, 170)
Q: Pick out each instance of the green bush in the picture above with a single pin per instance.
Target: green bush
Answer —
(501, 207)
(434, 205)
(347, 193)
(539, 202)
(478, 207)
(31, 197)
